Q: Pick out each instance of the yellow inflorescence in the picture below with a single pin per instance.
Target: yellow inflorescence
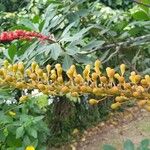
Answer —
(52, 81)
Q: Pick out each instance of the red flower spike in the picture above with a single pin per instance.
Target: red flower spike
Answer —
(22, 34)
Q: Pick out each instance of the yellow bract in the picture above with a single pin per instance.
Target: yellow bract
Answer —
(55, 82)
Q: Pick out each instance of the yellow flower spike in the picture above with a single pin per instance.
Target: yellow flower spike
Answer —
(121, 79)
(122, 69)
(39, 72)
(78, 79)
(45, 77)
(59, 69)
(10, 68)
(133, 73)
(58, 66)
(33, 76)
(5, 63)
(33, 66)
(147, 107)
(136, 94)
(141, 103)
(41, 87)
(137, 78)
(114, 90)
(93, 102)
(103, 79)
(140, 89)
(73, 68)
(20, 85)
(36, 69)
(143, 82)
(28, 72)
(60, 79)
(64, 89)
(30, 147)
(97, 63)
(8, 78)
(94, 76)
(97, 67)
(53, 75)
(110, 72)
(147, 78)
(23, 99)
(98, 91)
(48, 69)
(127, 86)
(21, 67)
(132, 79)
(115, 105)
(117, 76)
(71, 72)
(118, 99)
(15, 68)
(83, 89)
(86, 73)
(74, 94)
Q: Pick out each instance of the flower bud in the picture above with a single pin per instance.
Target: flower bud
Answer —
(115, 105)
(93, 102)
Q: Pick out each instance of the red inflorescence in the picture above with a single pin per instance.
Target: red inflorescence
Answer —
(22, 34)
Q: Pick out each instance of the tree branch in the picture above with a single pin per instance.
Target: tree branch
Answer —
(128, 43)
(146, 5)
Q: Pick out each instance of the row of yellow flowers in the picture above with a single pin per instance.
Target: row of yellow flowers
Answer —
(53, 81)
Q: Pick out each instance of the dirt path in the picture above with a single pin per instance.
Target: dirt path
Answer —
(134, 126)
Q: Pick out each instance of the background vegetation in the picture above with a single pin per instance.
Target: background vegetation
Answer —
(82, 31)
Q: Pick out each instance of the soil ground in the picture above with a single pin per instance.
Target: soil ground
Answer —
(131, 124)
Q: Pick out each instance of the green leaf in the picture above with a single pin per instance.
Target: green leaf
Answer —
(37, 119)
(76, 36)
(83, 59)
(108, 147)
(55, 50)
(2, 7)
(20, 132)
(29, 24)
(49, 15)
(26, 140)
(67, 29)
(140, 15)
(128, 145)
(145, 144)
(32, 132)
(93, 44)
(72, 50)
(67, 62)
(12, 51)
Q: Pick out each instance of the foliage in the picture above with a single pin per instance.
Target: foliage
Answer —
(128, 145)
(12, 5)
(21, 125)
(78, 30)
(82, 32)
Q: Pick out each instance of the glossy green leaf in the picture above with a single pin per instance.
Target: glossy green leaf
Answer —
(20, 132)
(12, 51)
(32, 132)
(128, 145)
(108, 147)
(67, 62)
(145, 144)
(140, 15)
(55, 51)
